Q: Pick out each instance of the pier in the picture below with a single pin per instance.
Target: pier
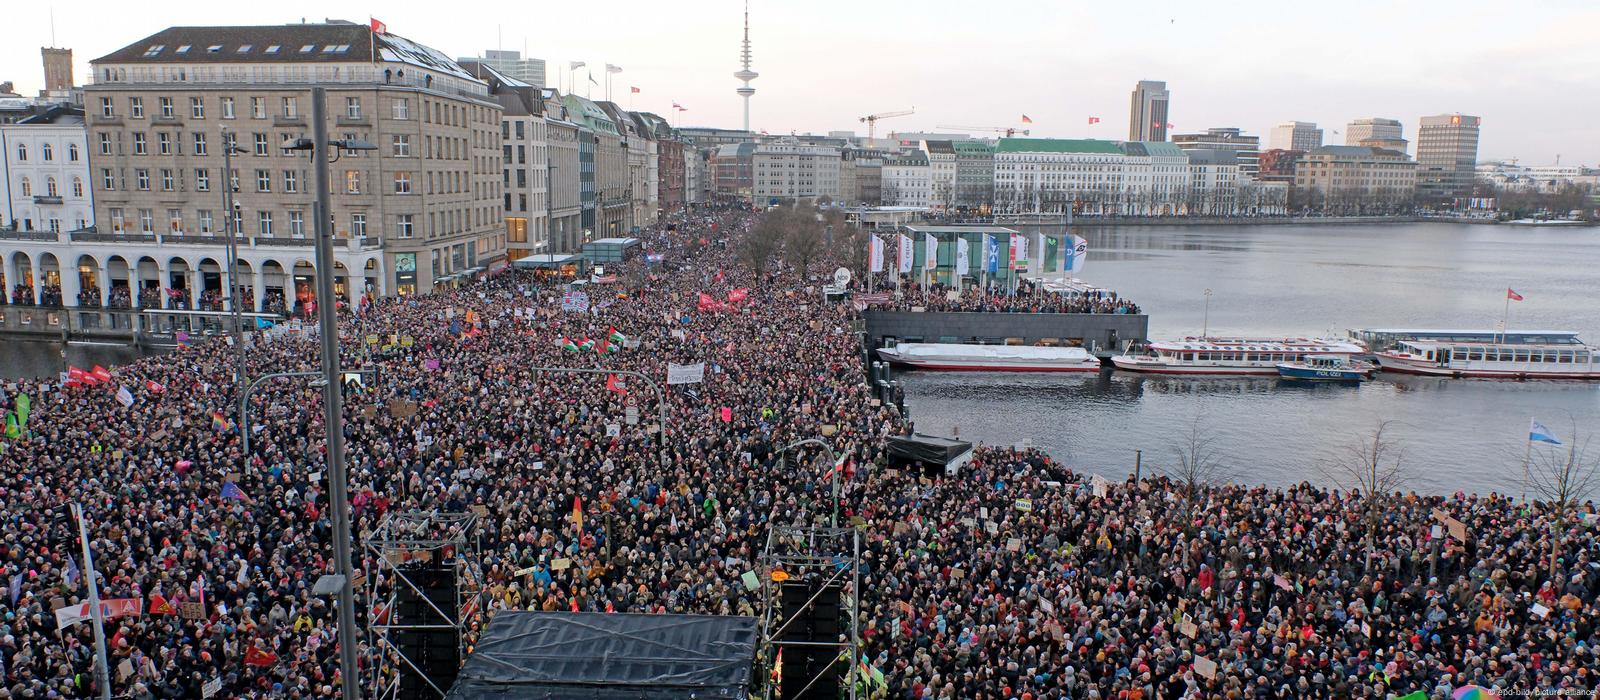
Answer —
(1101, 334)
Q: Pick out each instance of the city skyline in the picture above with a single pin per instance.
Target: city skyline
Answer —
(1520, 74)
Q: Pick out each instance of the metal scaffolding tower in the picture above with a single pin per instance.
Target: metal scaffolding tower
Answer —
(833, 556)
(401, 543)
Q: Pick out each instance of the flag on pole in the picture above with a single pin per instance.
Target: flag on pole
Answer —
(907, 254)
(1538, 433)
(613, 69)
(124, 397)
(615, 383)
(616, 337)
(592, 80)
(159, 605)
(16, 588)
(262, 323)
(154, 387)
(13, 430)
(874, 254)
(254, 656)
(1094, 120)
(1513, 295)
(963, 256)
(568, 345)
(101, 373)
(1026, 120)
(930, 253)
(633, 89)
(232, 490)
(219, 422)
(378, 27)
(24, 409)
(73, 572)
(577, 513)
(586, 345)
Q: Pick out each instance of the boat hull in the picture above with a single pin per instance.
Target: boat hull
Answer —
(1135, 364)
(1322, 375)
(1406, 365)
(989, 366)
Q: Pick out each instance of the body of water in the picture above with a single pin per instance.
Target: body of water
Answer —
(27, 359)
(1303, 280)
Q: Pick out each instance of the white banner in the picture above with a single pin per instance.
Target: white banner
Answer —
(963, 256)
(686, 374)
(70, 615)
(1021, 242)
(907, 255)
(1075, 258)
(930, 253)
(875, 254)
(575, 301)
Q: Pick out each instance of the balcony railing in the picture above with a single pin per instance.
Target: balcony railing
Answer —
(19, 235)
(46, 199)
(96, 237)
(174, 238)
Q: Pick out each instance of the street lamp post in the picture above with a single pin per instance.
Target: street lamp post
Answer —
(231, 231)
(833, 463)
(1205, 327)
(332, 389)
(102, 674)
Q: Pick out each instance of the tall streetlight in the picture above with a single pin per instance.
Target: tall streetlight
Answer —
(833, 464)
(231, 231)
(1205, 325)
(332, 388)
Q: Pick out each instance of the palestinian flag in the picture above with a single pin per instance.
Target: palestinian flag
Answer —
(617, 337)
(588, 344)
(566, 344)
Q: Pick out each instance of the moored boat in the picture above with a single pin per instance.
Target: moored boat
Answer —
(1231, 356)
(1334, 368)
(1493, 360)
(990, 358)
(1380, 339)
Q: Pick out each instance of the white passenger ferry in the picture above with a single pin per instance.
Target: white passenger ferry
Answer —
(1380, 339)
(990, 358)
(1224, 356)
(1493, 360)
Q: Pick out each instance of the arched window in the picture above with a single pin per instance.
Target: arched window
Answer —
(22, 151)
(72, 152)
(48, 152)
(27, 188)
(50, 187)
(77, 186)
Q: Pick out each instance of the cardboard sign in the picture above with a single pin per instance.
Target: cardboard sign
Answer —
(1048, 607)
(211, 688)
(480, 511)
(751, 581)
(1205, 667)
(525, 572)
(561, 564)
(401, 408)
(124, 669)
(191, 611)
(1025, 505)
(1014, 544)
(1188, 629)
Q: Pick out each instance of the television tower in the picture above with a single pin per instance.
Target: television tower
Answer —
(746, 75)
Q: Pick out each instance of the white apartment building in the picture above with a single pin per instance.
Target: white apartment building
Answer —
(1295, 136)
(525, 155)
(787, 169)
(1054, 176)
(941, 174)
(1155, 179)
(46, 165)
(1213, 183)
(907, 180)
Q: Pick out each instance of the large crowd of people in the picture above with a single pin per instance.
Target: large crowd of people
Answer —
(1028, 298)
(1127, 590)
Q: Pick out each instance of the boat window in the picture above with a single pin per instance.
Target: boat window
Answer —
(1521, 355)
(1581, 357)
(1537, 356)
(1475, 355)
(1564, 357)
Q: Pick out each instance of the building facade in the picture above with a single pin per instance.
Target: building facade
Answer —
(1355, 180)
(1376, 129)
(1057, 176)
(1246, 148)
(611, 175)
(424, 207)
(1155, 179)
(1213, 183)
(1295, 136)
(941, 174)
(45, 160)
(1447, 156)
(565, 177)
(785, 169)
(733, 170)
(907, 180)
(974, 175)
(525, 158)
(1148, 115)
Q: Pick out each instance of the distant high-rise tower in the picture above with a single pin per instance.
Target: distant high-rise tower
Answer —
(746, 74)
(1447, 155)
(1295, 136)
(57, 69)
(1147, 118)
(513, 65)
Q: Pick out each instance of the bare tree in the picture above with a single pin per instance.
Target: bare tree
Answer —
(1563, 481)
(1371, 464)
(802, 238)
(764, 240)
(1197, 466)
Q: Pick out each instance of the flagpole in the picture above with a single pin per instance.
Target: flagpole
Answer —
(1505, 318)
(101, 672)
(1527, 456)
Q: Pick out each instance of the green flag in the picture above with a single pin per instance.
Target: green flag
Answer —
(1419, 695)
(13, 431)
(1051, 246)
(24, 407)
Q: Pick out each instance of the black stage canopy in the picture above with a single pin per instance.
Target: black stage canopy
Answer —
(581, 656)
(934, 453)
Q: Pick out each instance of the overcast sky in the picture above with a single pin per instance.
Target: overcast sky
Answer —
(1530, 70)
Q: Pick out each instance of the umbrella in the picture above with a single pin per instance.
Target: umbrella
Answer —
(1473, 692)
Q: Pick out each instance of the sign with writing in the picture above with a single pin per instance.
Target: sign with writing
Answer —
(561, 564)
(1014, 544)
(1025, 505)
(211, 688)
(525, 572)
(191, 611)
(1205, 667)
(1188, 629)
(574, 301)
(686, 374)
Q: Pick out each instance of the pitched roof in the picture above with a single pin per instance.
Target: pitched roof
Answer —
(335, 41)
(1011, 145)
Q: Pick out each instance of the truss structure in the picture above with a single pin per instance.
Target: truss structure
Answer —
(834, 555)
(400, 545)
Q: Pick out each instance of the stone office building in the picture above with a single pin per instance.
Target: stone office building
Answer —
(423, 208)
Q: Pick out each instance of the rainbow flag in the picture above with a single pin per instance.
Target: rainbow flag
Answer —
(219, 422)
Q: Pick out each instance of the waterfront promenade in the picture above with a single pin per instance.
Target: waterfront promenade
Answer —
(1109, 591)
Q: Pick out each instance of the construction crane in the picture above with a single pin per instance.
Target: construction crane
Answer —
(872, 120)
(1008, 131)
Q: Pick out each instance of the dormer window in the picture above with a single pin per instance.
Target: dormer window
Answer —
(308, 48)
(214, 48)
(245, 48)
(154, 50)
(183, 49)
(272, 49)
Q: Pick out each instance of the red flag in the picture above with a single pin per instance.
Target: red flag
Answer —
(707, 303)
(78, 376)
(101, 373)
(379, 27)
(161, 606)
(1026, 120)
(1094, 120)
(577, 512)
(615, 384)
(633, 90)
(1512, 295)
(254, 656)
(738, 295)
(727, 414)
(154, 386)
(381, 615)
(719, 276)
